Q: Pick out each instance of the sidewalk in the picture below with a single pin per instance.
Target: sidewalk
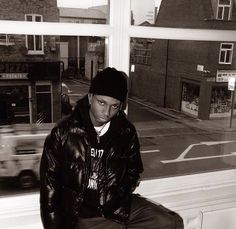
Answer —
(217, 124)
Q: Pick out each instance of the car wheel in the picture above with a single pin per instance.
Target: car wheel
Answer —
(26, 179)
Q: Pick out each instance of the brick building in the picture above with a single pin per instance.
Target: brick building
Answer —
(189, 76)
(30, 66)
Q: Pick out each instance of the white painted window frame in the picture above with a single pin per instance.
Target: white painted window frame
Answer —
(225, 51)
(118, 33)
(34, 51)
(224, 6)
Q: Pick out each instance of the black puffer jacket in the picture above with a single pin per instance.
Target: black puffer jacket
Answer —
(65, 165)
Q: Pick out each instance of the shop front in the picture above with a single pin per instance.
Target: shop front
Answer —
(29, 92)
(221, 97)
(208, 98)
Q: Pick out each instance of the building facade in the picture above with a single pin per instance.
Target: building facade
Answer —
(186, 75)
(30, 67)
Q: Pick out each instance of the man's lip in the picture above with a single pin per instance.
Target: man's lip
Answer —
(103, 119)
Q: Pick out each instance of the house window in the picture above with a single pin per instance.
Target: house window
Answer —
(226, 53)
(224, 10)
(6, 40)
(34, 43)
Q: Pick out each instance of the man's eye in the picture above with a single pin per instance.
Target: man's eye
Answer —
(115, 107)
(101, 102)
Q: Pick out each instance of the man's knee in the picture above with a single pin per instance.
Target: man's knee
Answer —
(166, 218)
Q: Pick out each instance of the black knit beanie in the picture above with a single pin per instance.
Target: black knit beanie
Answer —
(110, 82)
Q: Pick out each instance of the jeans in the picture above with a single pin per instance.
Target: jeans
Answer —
(143, 215)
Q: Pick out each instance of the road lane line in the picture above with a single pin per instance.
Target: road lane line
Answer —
(150, 151)
(198, 158)
(182, 158)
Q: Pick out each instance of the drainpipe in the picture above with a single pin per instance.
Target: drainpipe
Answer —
(166, 70)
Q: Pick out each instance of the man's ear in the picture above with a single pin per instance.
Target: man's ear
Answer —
(90, 96)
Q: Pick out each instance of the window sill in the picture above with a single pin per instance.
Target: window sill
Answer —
(203, 200)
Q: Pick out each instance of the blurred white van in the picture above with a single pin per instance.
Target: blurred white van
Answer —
(20, 157)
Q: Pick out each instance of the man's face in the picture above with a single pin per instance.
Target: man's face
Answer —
(102, 108)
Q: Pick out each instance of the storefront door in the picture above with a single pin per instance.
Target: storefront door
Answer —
(44, 103)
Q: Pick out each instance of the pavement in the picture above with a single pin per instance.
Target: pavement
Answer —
(213, 125)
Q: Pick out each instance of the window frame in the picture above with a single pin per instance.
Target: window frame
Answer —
(225, 52)
(223, 7)
(34, 51)
(7, 41)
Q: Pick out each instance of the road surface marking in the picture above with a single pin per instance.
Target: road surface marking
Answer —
(182, 158)
(150, 151)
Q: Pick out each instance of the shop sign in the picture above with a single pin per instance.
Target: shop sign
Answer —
(224, 75)
(211, 79)
(231, 84)
(13, 76)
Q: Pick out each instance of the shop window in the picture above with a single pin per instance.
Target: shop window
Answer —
(34, 43)
(44, 103)
(224, 10)
(226, 53)
(220, 102)
(6, 40)
(190, 98)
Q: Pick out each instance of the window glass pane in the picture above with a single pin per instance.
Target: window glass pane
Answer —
(220, 13)
(226, 13)
(38, 42)
(30, 43)
(46, 73)
(228, 55)
(222, 56)
(181, 14)
(43, 88)
(224, 2)
(226, 46)
(80, 11)
(28, 18)
(14, 104)
(38, 18)
(178, 101)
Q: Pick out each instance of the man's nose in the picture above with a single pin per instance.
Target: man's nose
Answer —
(107, 111)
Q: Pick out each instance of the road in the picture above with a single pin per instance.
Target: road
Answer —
(168, 147)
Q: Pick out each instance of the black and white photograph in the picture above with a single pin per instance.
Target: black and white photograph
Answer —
(117, 114)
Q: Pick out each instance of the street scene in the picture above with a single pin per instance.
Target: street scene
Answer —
(172, 144)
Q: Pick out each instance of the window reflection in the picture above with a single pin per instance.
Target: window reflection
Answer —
(185, 81)
(92, 12)
(182, 75)
(40, 76)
